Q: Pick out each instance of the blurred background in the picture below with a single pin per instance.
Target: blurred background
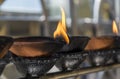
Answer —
(40, 18)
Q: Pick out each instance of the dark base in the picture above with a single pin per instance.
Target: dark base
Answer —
(105, 56)
(70, 61)
(33, 67)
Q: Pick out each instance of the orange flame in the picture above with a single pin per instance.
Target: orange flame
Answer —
(114, 28)
(61, 28)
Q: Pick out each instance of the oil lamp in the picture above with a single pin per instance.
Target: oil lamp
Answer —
(5, 43)
(101, 49)
(34, 56)
(71, 53)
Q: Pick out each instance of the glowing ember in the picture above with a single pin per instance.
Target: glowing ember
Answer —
(61, 28)
(114, 28)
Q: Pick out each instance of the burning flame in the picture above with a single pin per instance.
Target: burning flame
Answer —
(61, 28)
(114, 27)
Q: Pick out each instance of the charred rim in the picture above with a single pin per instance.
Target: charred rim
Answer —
(45, 44)
(116, 41)
(77, 44)
(33, 39)
(103, 43)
